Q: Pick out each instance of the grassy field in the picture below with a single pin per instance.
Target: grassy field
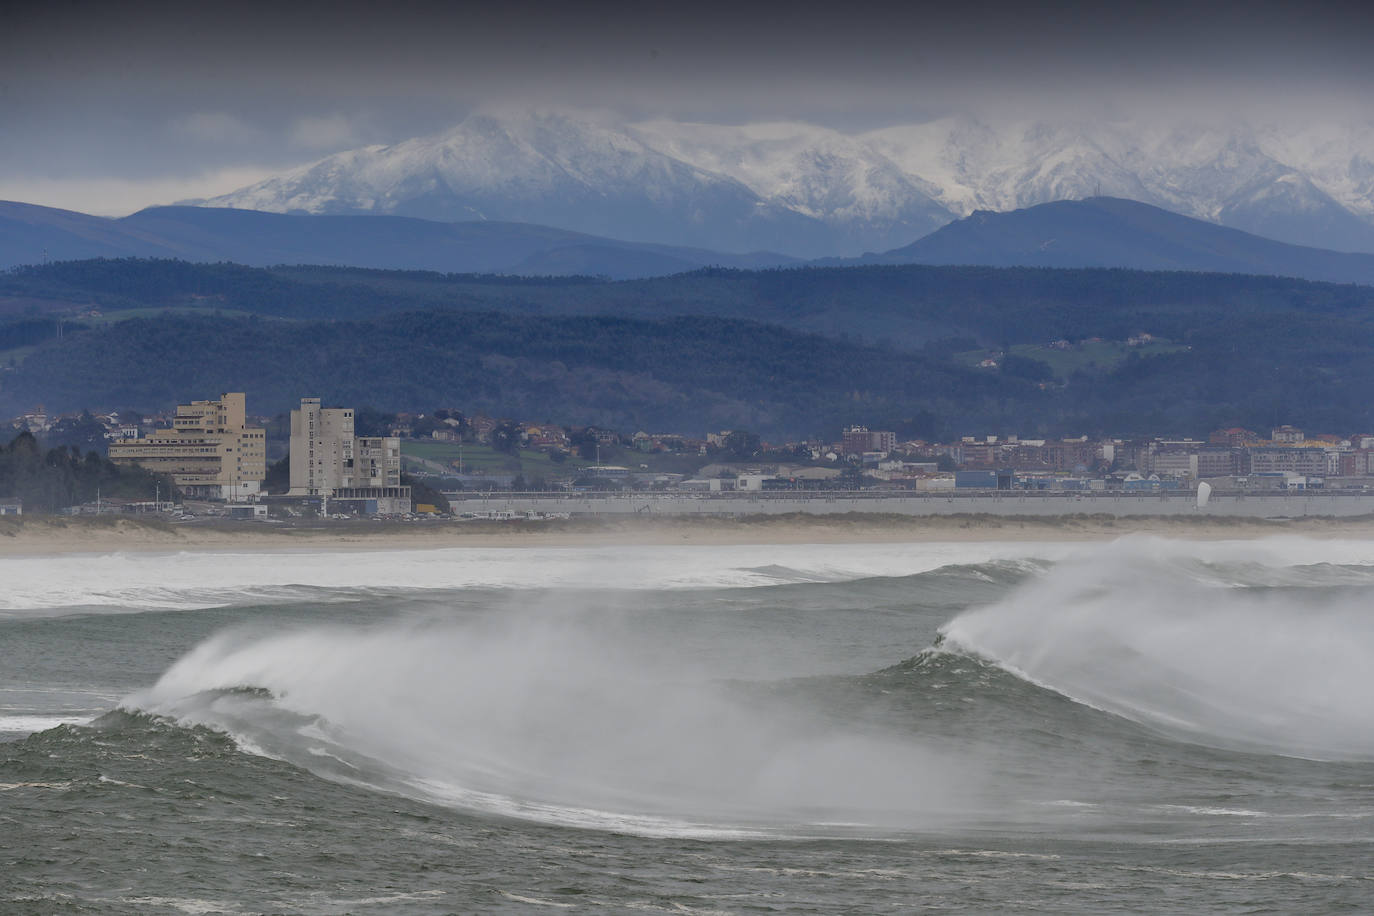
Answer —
(481, 459)
(661, 463)
(1095, 356)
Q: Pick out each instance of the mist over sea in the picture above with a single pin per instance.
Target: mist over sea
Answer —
(1141, 725)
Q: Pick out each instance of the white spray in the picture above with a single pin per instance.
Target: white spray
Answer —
(1145, 630)
(552, 713)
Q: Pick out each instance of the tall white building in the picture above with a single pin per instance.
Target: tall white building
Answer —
(328, 460)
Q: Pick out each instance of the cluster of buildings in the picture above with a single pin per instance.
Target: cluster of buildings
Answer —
(1232, 458)
(1229, 459)
(211, 452)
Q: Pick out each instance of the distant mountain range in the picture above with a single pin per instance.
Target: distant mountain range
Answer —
(1109, 232)
(30, 234)
(809, 191)
(1098, 232)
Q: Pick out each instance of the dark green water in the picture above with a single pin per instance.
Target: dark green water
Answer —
(1144, 726)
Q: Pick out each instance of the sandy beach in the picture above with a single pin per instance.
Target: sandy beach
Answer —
(35, 535)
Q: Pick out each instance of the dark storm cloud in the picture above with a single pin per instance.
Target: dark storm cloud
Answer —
(146, 90)
(369, 50)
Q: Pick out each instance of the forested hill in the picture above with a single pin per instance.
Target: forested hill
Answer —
(31, 234)
(1107, 231)
(897, 347)
(692, 375)
(677, 374)
(904, 306)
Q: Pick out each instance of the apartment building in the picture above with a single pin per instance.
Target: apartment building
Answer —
(1301, 461)
(859, 439)
(210, 452)
(330, 461)
(1175, 463)
(1221, 462)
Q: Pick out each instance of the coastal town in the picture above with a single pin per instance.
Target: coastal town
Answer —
(348, 462)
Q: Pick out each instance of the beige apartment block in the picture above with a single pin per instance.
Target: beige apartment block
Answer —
(328, 460)
(322, 445)
(210, 452)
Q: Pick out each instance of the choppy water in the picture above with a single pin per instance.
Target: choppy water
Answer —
(1146, 725)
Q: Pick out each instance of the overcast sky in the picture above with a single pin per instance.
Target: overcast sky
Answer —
(106, 107)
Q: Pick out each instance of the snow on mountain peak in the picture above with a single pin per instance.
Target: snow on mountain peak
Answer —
(806, 189)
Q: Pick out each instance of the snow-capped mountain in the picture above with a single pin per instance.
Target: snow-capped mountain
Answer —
(807, 190)
(582, 173)
(868, 200)
(1310, 187)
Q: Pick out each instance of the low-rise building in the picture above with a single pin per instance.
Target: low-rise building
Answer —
(1234, 436)
(1286, 435)
(1280, 459)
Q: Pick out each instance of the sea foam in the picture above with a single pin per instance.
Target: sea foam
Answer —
(1167, 634)
(549, 713)
(38, 586)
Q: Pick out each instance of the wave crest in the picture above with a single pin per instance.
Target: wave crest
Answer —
(1150, 631)
(544, 715)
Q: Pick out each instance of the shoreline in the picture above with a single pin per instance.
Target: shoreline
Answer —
(47, 535)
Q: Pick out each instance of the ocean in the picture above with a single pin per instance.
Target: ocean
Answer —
(1141, 725)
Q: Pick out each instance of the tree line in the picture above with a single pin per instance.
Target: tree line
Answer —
(56, 478)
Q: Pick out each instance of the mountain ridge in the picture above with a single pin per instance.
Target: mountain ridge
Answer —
(579, 174)
(1112, 232)
(30, 234)
(1097, 232)
(812, 191)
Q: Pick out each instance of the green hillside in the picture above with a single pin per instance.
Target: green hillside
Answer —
(785, 353)
(903, 306)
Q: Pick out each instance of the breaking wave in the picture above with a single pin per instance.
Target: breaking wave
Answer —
(547, 718)
(192, 580)
(1222, 649)
(552, 708)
